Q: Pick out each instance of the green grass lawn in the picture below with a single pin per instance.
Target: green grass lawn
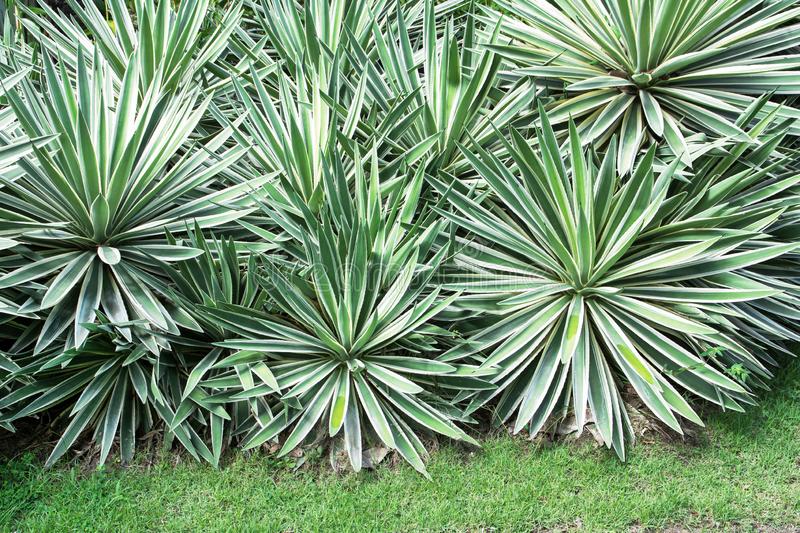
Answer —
(743, 474)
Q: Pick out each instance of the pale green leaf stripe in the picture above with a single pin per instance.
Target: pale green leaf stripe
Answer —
(36, 270)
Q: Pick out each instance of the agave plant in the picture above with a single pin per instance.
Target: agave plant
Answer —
(14, 145)
(594, 280)
(116, 388)
(655, 69)
(87, 217)
(262, 221)
(294, 52)
(314, 31)
(347, 334)
(222, 275)
(174, 44)
(123, 389)
(453, 97)
(412, 94)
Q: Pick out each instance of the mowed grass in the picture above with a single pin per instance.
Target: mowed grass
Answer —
(743, 474)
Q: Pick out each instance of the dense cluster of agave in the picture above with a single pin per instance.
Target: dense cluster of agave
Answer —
(260, 221)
